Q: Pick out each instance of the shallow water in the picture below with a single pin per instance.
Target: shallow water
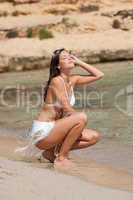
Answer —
(88, 169)
(108, 102)
(108, 163)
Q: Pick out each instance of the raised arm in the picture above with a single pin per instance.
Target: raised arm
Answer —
(94, 73)
(60, 94)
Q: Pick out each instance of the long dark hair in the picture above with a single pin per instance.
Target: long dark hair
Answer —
(54, 70)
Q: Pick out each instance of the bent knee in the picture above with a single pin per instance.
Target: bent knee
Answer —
(82, 117)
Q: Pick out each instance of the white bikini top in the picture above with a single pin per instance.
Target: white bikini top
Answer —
(71, 99)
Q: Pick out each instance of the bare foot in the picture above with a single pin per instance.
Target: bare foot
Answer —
(64, 163)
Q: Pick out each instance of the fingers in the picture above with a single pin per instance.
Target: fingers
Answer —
(73, 58)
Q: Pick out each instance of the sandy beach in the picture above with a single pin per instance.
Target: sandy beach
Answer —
(30, 178)
(22, 181)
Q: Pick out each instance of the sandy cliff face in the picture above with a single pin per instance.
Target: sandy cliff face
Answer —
(31, 31)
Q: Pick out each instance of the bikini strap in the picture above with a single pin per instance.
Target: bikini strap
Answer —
(64, 86)
(71, 87)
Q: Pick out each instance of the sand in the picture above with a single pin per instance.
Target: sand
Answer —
(19, 180)
(22, 178)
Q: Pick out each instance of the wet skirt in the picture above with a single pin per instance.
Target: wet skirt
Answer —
(39, 130)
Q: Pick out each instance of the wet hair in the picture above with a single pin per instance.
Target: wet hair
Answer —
(54, 70)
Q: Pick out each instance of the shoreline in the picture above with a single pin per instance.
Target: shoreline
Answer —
(20, 180)
(88, 168)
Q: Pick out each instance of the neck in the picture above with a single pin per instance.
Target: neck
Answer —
(66, 76)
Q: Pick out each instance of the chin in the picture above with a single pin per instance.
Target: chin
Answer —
(72, 66)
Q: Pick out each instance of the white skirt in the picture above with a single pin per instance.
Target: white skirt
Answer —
(39, 130)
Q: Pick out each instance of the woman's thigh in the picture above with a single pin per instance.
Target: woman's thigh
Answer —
(60, 130)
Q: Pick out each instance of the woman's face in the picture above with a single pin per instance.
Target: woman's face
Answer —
(65, 60)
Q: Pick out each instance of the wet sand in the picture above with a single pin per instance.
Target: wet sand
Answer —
(19, 180)
(88, 168)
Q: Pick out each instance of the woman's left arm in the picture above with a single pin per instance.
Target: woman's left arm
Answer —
(95, 73)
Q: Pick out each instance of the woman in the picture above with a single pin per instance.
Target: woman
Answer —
(59, 128)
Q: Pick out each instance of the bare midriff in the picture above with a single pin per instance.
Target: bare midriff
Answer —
(52, 112)
(49, 113)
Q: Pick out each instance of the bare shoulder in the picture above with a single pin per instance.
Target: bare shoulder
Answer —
(56, 82)
(55, 79)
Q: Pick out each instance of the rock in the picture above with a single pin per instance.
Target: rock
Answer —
(124, 13)
(60, 9)
(19, 68)
(111, 55)
(25, 1)
(64, 1)
(106, 55)
(29, 63)
(125, 25)
(108, 14)
(88, 7)
(8, 63)
(116, 24)
(4, 63)
(12, 34)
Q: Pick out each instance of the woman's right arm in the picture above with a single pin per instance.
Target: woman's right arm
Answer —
(60, 94)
